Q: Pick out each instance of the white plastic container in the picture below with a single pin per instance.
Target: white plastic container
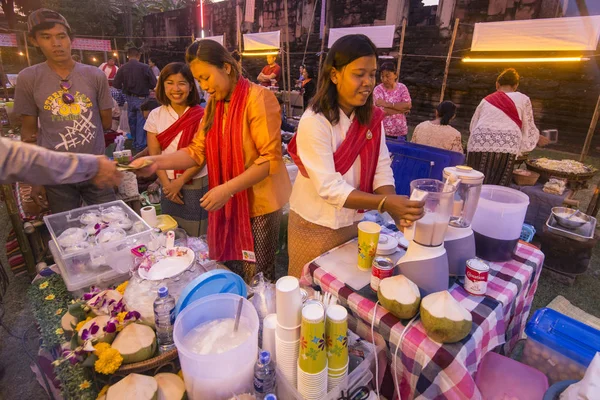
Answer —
(217, 376)
(97, 264)
(498, 222)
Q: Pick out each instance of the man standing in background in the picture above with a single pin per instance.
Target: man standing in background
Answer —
(72, 103)
(136, 80)
(110, 70)
(270, 71)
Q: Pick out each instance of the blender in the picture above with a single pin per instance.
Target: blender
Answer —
(460, 241)
(425, 262)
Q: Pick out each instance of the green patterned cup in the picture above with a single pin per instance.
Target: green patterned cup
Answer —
(313, 355)
(368, 237)
(336, 332)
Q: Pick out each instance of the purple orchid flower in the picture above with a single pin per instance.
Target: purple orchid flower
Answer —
(111, 326)
(88, 334)
(93, 292)
(132, 315)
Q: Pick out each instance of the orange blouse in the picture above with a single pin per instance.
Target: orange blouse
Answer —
(261, 143)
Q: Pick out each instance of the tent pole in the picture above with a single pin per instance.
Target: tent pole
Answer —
(117, 51)
(239, 31)
(448, 59)
(323, 39)
(27, 49)
(289, 66)
(590, 134)
(401, 47)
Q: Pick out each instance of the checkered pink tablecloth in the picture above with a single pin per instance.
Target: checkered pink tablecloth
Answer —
(430, 370)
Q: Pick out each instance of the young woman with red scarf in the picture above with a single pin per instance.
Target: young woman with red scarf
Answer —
(171, 127)
(240, 142)
(342, 157)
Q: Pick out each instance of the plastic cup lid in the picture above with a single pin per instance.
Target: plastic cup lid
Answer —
(212, 282)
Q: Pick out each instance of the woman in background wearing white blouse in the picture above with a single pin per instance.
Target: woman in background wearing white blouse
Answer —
(342, 157)
(170, 127)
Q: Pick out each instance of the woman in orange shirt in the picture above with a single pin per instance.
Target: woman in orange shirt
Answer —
(240, 142)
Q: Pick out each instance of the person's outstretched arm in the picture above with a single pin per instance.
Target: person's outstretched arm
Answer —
(38, 166)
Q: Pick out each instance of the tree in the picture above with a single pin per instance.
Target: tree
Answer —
(166, 5)
(11, 7)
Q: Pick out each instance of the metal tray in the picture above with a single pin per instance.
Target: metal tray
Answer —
(581, 234)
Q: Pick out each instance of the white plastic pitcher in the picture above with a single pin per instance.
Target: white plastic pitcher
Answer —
(217, 376)
(498, 221)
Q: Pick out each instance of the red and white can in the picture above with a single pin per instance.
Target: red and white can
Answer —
(383, 267)
(476, 276)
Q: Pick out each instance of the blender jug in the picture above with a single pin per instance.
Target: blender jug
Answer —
(459, 241)
(425, 262)
(431, 229)
(466, 196)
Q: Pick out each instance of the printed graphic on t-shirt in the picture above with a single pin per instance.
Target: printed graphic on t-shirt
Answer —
(83, 130)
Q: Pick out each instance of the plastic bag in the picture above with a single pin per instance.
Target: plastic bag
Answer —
(263, 299)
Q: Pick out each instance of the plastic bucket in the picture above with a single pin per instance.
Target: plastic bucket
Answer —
(210, 376)
(498, 222)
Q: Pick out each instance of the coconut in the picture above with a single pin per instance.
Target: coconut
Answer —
(134, 386)
(101, 336)
(68, 322)
(170, 387)
(444, 319)
(100, 309)
(136, 342)
(400, 296)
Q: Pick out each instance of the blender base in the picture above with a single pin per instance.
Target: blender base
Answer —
(426, 266)
(460, 247)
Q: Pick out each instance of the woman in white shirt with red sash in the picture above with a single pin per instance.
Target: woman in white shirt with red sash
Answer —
(342, 158)
(172, 127)
(502, 128)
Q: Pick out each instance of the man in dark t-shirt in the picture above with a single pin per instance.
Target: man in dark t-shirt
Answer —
(136, 80)
(270, 71)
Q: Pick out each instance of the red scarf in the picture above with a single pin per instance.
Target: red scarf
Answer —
(113, 72)
(187, 124)
(360, 140)
(229, 230)
(504, 103)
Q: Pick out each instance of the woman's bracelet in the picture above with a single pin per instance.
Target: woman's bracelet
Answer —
(381, 203)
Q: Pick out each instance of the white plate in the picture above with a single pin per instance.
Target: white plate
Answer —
(169, 266)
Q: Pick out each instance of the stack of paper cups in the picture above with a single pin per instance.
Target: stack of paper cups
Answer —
(287, 334)
(336, 329)
(312, 362)
(268, 335)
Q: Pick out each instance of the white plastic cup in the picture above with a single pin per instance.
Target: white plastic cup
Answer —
(289, 302)
(269, 333)
(288, 334)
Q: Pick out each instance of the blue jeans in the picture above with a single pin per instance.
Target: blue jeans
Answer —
(136, 122)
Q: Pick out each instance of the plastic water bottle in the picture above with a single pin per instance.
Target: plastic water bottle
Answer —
(164, 318)
(264, 376)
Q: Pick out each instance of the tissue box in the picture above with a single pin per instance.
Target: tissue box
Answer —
(559, 346)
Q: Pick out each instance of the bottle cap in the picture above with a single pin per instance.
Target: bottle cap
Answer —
(270, 396)
(163, 291)
(264, 357)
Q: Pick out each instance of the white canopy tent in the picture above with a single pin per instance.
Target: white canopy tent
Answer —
(382, 36)
(218, 39)
(262, 41)
(548, 34)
